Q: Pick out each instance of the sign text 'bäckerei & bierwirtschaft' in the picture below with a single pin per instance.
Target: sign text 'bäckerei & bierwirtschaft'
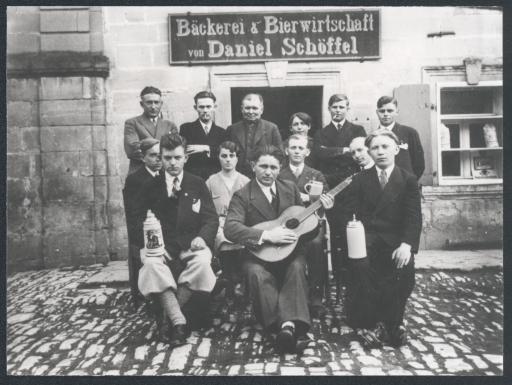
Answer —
(210, 38)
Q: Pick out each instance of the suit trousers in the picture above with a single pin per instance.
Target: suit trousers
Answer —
(279, 290)
(317, 262)
(377, 290)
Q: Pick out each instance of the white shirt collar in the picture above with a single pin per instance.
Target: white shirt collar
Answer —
(297, 169)
(151, 172)
(169, 180)
(369, 165)
(335, 124)
(266, 190)
(389, 170)
(390, 127)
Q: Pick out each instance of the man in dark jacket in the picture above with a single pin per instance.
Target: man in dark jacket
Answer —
(203, 137)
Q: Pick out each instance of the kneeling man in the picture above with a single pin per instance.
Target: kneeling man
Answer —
(386, 199)
(184, 207)
(278, 290)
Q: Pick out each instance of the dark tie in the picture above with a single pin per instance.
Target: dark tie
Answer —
(383, 178)
(275, 201)
(175, 187)
(339, 126)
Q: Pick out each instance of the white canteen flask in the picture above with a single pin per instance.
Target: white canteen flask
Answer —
(153, 239)
(356, 240)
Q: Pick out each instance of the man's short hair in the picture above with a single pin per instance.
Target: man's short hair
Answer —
(146, 144)
(230, 146)
(306, 118)
(150, 90)
(250, 95)
(386, 100)
(170, 141)
(338, 98)
(203, 95)
(358, 137)
(269, 150)
(299, 137)
(381, 132)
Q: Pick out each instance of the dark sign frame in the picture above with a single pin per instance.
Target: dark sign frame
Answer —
(263, 58)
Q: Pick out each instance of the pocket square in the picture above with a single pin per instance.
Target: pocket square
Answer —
(404, 146)
(196, 205)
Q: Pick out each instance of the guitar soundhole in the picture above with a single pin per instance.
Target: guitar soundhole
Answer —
(292, 223)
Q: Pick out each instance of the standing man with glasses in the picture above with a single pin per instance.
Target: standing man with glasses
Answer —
(203, 137)
(410, 157)
(148, 125)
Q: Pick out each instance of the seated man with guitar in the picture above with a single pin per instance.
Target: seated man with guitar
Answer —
(267, 217)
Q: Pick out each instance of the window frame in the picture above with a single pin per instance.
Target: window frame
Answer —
(464, 135)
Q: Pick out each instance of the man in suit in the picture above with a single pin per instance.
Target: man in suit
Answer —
(410, 157)
(252, 132)
(278, 290)
(147, 125)
(386, 199)
(150, 149)
(360, 154)
(203, 137)
(184, 207)
(297, 150)
(332, 157)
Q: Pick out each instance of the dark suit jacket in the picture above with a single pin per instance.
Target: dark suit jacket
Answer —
(138, 128)
(266, 133)
(392, 214)
(201, 164)
(308, 174)
(412, 158)
(189, 224)
(249, 206)
(133, 188)
(327, 151)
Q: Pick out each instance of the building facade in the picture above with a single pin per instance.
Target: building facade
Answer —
(74, 75)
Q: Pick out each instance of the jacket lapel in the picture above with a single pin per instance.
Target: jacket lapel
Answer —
(286, 199)
(260, 201)
(390, 192)
(261, 129)
(148, 125)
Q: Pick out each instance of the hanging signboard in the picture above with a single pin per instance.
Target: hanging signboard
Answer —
(292, 36)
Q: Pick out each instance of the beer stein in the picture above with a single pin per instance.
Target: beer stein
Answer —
(314, 188)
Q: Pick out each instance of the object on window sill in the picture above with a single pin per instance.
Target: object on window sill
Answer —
(490, 136)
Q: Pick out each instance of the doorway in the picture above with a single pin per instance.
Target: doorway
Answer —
(281, 102)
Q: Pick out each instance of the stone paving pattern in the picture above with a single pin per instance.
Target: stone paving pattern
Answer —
(56, 326)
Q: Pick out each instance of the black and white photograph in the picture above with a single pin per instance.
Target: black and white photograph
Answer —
(254, 191)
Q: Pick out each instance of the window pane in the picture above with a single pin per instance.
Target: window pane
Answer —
(467, 100)
(454, 135)
(451, 163)
(476, 135)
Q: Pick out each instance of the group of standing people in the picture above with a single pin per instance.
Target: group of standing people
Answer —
(210, 186)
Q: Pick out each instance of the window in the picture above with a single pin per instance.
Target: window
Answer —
(470, 133)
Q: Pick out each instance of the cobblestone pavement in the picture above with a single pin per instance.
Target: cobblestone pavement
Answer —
(56, 328)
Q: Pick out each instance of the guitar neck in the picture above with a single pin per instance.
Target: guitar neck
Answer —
(317, 204)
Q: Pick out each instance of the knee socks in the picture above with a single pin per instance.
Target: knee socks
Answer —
(172, 308)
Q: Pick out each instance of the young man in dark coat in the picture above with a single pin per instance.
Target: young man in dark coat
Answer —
(386, 199)
(410, 157)
(278, 290)
(203, 137)
(297, 150)
(150, 149)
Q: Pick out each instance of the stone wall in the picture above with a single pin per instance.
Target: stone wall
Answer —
(57, 163)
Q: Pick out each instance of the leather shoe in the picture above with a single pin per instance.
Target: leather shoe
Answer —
(178, 335)
(285, 340)
(369, 339)
(398, 337)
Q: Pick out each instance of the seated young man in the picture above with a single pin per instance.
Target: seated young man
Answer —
(278, 290)
(360, 154)
(184, 207)
(386, 199)
(297, 150)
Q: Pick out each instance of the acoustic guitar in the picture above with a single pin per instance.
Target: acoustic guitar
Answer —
(297, 218)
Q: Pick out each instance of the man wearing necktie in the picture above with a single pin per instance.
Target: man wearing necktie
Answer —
(332, 158)
(297, 150)
(386, 199)
(278, 290)
(147, 125)
(203, 137)
(183, 205)
(252, 132)
(134, 183)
